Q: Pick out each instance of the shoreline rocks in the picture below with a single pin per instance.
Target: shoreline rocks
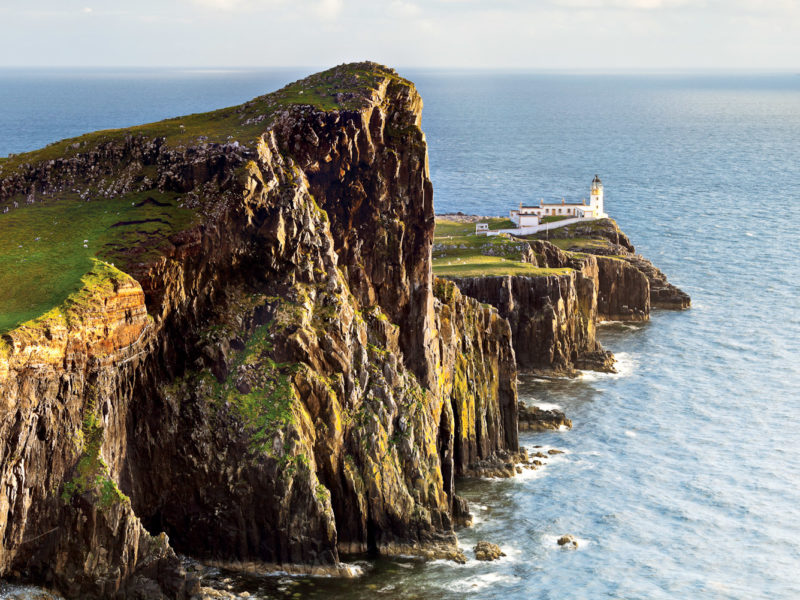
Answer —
(533, 418)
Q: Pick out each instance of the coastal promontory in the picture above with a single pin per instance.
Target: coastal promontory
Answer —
(231, 336)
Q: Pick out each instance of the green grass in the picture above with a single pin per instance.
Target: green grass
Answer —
(485, 266)
(567, 243)
(445, 227)
(36, 275)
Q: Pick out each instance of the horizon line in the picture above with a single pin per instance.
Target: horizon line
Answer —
(318, 68)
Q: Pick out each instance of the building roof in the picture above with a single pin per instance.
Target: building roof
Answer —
(555, 204)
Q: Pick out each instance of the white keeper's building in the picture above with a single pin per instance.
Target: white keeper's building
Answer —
(529, 216)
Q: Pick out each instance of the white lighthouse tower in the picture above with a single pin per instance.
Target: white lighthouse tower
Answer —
(596, 197)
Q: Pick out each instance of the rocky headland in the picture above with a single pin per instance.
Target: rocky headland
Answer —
(554, 292)
(255, 365)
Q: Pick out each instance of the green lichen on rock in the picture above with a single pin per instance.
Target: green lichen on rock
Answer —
(92, 475)
(258, 389)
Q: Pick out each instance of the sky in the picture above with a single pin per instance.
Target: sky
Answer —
(510, 34)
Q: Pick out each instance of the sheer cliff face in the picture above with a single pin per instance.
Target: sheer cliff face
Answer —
(296, 389)
(368, 170)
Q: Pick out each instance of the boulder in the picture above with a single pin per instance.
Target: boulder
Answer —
(487, 551)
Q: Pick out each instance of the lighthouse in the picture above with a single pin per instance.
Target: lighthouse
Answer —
(596, 197)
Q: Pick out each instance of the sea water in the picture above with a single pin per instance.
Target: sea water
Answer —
(680, 476)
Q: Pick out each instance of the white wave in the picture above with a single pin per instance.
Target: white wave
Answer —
(481, 582)
(563, 428)
(25, 592)
(512, 553)
(352, 570)
(546, 405)
(749, 233)
(623, 324)
(529, 474)
(630, 433)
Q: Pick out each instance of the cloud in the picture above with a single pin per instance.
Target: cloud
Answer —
(327, 9)
(625, 4)
(86, 10)
(399, 8)
(227, 5)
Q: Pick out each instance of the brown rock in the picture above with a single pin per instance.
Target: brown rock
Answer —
(568, 541)
(487, 551)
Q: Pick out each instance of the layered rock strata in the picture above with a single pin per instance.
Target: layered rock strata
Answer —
(278, 386)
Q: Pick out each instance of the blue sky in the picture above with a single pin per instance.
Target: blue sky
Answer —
(520, 34)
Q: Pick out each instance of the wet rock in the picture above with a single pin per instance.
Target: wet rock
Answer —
(567, 541)
(487, 551)
(532, 418)
(461, 515)
(555, 451)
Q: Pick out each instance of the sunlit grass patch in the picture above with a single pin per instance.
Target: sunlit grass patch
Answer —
(46, 248)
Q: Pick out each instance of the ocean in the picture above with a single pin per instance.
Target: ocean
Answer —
(680, 476)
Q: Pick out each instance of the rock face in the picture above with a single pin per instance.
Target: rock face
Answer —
(624, 292)
(552, 324)
(68, 524)
(278, 385)
(662, 293)
(553, 318)
(624, 295)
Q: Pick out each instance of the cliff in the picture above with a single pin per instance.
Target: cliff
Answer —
(265, 375)
(550, 299)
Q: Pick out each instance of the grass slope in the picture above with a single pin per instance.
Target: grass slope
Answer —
(343, 87)
(43, 255)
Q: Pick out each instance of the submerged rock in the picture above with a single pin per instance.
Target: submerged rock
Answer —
(567, 541)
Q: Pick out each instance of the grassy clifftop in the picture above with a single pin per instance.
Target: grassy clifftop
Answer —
(47, 246)
(346, 87)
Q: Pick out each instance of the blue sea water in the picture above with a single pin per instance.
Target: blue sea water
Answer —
(681, 476)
